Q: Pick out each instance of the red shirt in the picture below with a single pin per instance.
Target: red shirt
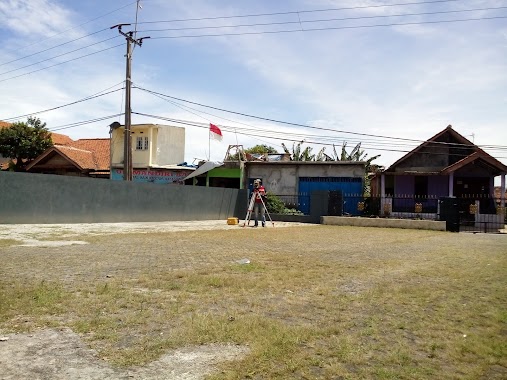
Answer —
(259, 192)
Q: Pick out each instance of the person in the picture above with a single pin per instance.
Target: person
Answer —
(260, 196)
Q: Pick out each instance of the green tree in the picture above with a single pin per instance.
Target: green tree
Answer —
(261, 149)
(22, 142)
(358, 154)
(257, 149)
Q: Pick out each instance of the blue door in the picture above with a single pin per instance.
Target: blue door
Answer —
(351, 188)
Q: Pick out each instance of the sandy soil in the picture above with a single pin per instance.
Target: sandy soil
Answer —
(40, 235)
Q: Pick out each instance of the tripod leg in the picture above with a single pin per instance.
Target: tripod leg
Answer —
(249, 211)
(267, 212)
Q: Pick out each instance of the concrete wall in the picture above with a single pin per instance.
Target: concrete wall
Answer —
(43, 198)
(166, 145)
(384, 222)
(283, 177)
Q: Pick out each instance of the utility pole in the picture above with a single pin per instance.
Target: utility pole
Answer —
(127, 140)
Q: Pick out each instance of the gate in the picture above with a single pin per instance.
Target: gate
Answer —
(345, 185)
(449, 212)
(471, 214)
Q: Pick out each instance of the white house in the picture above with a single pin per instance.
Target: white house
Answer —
(156, 151)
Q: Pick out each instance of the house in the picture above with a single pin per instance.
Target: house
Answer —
(294, 181)
(83, 158)
(446, 165)
(57, 139)
(157, 151)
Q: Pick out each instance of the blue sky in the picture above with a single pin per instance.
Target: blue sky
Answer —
(402, 81)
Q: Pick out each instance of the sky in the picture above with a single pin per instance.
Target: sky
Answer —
(387, 73)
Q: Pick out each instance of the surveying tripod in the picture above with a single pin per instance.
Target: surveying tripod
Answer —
(251, 205)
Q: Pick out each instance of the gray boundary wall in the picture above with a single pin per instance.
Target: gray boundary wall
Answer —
(44, 198)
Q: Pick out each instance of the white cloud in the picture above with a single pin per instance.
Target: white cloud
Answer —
(34, 18)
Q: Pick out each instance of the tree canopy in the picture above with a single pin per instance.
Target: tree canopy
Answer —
(21, 142)
(261, 149)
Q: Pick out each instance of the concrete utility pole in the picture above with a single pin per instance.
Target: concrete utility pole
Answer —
(127, 140)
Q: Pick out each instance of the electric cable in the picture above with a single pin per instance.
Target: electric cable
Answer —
(93, 96)
(54, 47)
(302, 11)
(302, 136)
(298, 124)
(61, 63)
(330, 28)
(60, 55)
(74, 27)
(80, 123)
(199, 125)
(323, 20)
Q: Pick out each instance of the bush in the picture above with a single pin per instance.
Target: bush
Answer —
(274, 204)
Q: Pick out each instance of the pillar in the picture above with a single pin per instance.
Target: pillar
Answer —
(451, 184)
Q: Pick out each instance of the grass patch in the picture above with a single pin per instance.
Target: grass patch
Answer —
(8, 242)
(315, 302)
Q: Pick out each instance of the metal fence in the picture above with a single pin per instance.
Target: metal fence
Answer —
(473, 213)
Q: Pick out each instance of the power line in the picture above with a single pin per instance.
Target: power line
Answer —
(59, 55)
(234, 129)
(90, 97)
(54, 47)
(324, 20)
(80, 123)
(331, 28)
(301, 11)
(199, 125)
(298, 124)
(61, 63)
(74, 27)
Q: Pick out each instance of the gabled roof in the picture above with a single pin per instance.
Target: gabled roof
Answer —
(84, 154)
(477, 154)
(432, 140)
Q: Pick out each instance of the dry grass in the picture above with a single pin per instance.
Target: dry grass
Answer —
(314, 303)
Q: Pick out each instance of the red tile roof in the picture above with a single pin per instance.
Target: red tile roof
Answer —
(85, 154)
(100, 149)
(60, 139)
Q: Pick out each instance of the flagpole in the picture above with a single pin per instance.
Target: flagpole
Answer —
(209, 145)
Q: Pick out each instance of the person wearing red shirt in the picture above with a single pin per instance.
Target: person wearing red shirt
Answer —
(260, 196)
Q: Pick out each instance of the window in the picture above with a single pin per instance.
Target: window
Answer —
(142, 143)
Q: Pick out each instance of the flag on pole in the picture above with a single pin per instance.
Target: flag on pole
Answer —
(215, 132)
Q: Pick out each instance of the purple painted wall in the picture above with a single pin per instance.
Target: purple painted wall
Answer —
(438, 186)
(404, 185)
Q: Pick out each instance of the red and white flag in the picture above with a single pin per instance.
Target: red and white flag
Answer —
(215, 132)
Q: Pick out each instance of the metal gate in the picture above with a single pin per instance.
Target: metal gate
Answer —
(472, 215)
(350, 187)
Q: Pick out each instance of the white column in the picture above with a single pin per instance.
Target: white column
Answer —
(382, 193)
(451, 184)
(502, 190)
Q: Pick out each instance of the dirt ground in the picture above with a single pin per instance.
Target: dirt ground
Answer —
(60, 353)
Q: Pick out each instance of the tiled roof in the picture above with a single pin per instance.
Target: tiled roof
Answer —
(4, 124)
(100, 149)
(60, 139)
(86, 154)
